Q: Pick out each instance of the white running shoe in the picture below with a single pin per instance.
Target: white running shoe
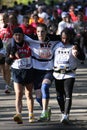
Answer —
(64, 119)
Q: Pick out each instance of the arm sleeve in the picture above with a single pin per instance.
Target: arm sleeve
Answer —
(30, 40)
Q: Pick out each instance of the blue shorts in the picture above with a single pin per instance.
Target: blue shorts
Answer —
(22, 76)
(40, 75)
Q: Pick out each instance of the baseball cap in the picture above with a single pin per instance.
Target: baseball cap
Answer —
(64, 14)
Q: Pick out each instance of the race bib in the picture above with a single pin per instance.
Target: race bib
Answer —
(45, 53)
(24, 63)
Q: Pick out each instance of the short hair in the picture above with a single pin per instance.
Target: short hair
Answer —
(42, 25)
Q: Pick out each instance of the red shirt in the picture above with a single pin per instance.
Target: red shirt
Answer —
(24, 51)
(10, 29)
(28, 29)
(73, 16)
(4, 33)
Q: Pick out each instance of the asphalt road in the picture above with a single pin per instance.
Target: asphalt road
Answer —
(78, 115)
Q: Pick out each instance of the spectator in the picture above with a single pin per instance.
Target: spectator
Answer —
(80, 27)
(55, 17)
(62, 24)
(72, 13)
(12, 23)
(69, 23)
(5, 38)
(35, 18)
(27, 29)
(19, 16)
(42, 13)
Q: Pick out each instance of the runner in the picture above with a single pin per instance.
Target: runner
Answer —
(21, 68)
(65, 64)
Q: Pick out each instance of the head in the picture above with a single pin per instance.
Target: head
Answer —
(40, 9)
(67, 36)
(41, 31)
(25, 20)
(68, 18)
(55, 13)
(18, 35)
(5, 18)
(71, 8)
(13, 19)
(64, 15)
(35, 17)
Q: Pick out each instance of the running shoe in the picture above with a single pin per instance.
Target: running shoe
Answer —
(65, 119)
(18, 118)
(31, 118)
(45, 116)
(7, 89)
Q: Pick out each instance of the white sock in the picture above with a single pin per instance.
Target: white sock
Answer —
(43, 111)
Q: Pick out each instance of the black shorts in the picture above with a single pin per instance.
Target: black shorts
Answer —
(2, 61)
(22, 76)
(40, 75)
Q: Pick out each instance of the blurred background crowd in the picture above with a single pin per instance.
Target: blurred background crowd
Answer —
(56, 15)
